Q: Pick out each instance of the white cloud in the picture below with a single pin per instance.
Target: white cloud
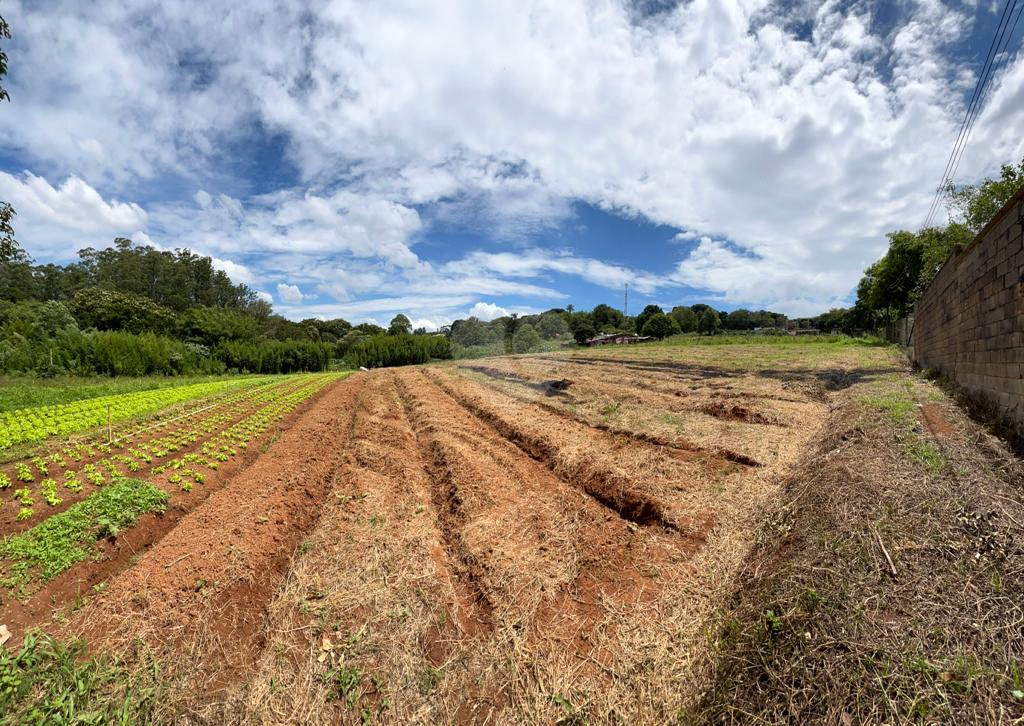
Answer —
(487, 311)
(289, 294)
(535, 262)
(710, 116)
(59, 220)
(265, 296)
(743, 279)
(428, 324)
(73, 205)
(238, 273)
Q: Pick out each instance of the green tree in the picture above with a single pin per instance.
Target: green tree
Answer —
(551, 326)
(891, 286)
(470, 332)
(685, 318)
(110, 310)
(605, 318)
(978, 203)
(660, 326)
(646, 313)
(5, 32)
(582, 327)
(13, 260)
(211, 326)
(10, 250)
(400, 325)
(526, 339)
(709, 322)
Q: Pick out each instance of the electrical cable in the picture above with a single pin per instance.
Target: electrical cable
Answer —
(974, 106)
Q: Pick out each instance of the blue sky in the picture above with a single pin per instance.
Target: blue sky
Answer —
(358, 159)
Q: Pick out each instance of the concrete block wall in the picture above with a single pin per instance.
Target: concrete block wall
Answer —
(969, 324)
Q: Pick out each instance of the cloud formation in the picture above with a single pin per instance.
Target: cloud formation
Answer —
(289, 294)
(345, 148)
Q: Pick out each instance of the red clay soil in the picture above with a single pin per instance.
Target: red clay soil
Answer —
(736, 413)
(598, 478)
(213, 574)
(483, 479)
(935, 421)
(115, 554)
(678, 447)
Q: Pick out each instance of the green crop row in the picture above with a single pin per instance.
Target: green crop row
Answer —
(52, 546)
(120, 455)
(36, 424)
(230, 442)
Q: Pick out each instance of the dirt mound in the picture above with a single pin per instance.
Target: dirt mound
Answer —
(211, 577)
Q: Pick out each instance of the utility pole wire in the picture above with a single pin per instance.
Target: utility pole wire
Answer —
(973, 108)
(981, 103)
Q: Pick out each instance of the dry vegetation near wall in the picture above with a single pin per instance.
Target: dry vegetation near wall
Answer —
(888, 586)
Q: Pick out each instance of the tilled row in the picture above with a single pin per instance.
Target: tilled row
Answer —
(599, 461)
(42, 599)
(745, 418)
(534, 588)
(197, 597)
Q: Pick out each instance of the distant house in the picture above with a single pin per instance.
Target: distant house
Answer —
(618, 339)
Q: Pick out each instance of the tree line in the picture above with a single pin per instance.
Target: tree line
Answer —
(526, 333)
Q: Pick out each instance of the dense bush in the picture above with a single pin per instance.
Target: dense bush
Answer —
(111, 310)
(381, 351)
(525, 339)
(273, 356)
(70, 351)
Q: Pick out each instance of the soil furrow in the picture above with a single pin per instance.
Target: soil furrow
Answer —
(680, 447)
(447, 504)
(632, 390)
(605, 487)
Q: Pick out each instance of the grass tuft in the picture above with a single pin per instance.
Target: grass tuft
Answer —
(54, 683)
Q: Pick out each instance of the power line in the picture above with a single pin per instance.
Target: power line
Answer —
(975, 105)
(981, 102)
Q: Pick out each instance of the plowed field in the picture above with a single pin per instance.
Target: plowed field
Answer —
(518, 540)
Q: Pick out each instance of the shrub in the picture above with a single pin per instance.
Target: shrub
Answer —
(382, 351)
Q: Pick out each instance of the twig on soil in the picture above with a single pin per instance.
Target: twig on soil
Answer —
(892, 567)
(173, 562)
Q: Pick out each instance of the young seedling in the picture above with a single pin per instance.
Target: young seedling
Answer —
(40, 465)
(48, 487)
(71, 481)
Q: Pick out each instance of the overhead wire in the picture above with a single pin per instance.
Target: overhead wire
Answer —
(996, 48)
(985, 91)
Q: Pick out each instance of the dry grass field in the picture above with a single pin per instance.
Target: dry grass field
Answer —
(774, 532)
